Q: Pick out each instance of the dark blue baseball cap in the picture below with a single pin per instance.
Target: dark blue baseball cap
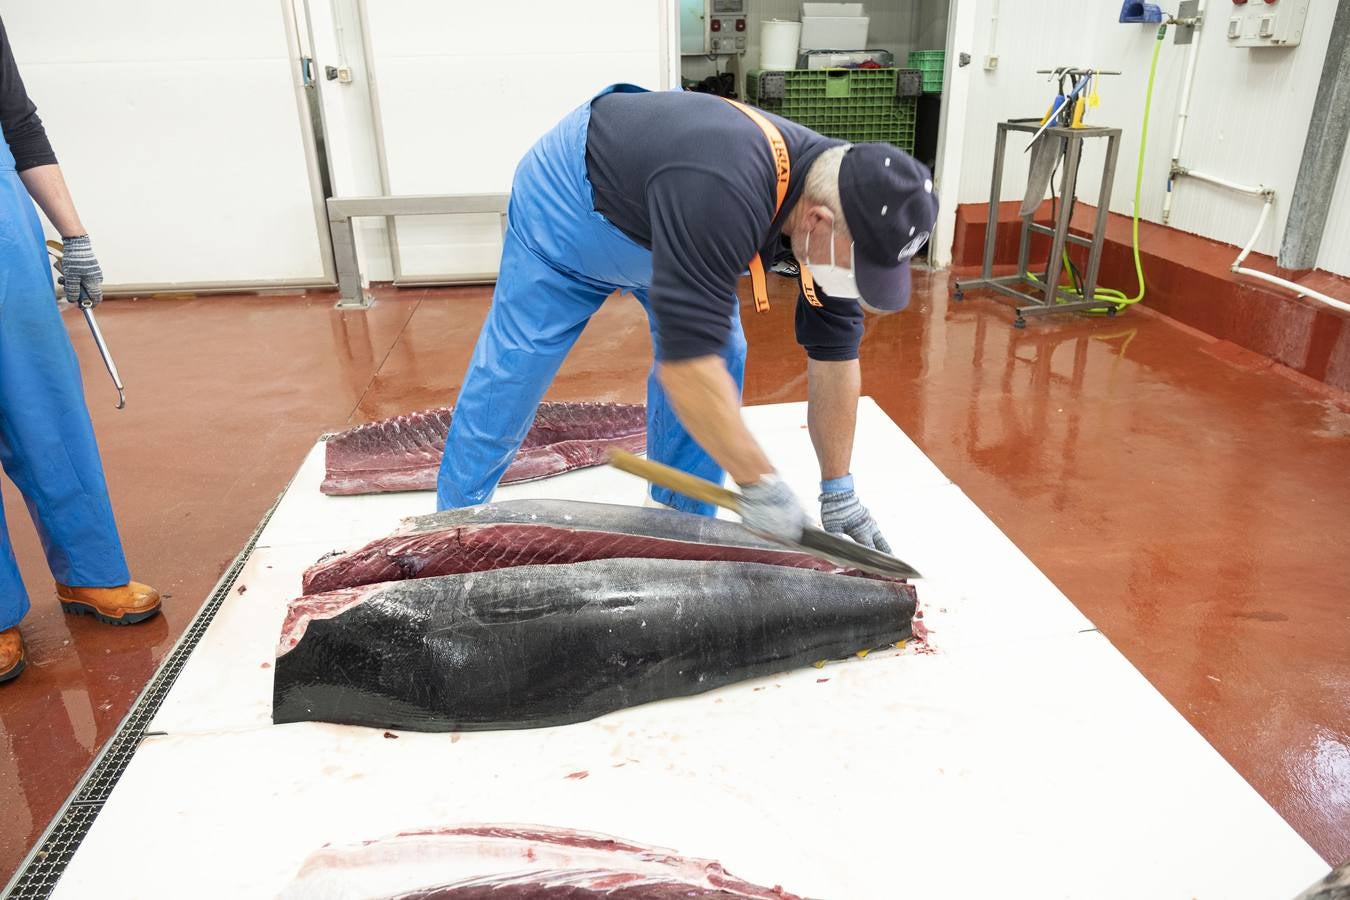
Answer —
(890, 209)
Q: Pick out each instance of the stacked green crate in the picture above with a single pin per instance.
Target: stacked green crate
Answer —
(931, 63)
(850, 104)
(905, 114)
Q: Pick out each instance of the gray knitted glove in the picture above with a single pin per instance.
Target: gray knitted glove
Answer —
(79, 268)
(769, 507)
(842, 513)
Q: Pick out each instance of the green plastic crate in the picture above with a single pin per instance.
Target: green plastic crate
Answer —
(931, 64)
(850, 104)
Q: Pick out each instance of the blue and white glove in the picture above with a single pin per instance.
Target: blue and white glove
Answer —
(842, 513)
(80, 268)
(769, 507)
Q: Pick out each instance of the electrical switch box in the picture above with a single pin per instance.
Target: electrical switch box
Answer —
(1266, 23)
(713, 27)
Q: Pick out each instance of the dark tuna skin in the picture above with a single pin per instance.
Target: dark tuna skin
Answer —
(535, 646)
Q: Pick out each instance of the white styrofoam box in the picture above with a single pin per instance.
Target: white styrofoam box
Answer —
(842, 58)
(834, 33)
(832, 9)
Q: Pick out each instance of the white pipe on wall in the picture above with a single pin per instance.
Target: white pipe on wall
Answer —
(1296, 287)
(1183, 111)
(993, 33)
(1239, 269)
(1258, 190)
(1256, 232)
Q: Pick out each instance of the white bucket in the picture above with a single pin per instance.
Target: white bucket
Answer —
(778, 40)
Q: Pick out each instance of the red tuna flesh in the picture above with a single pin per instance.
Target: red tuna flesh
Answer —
(542, 532)
(403, 453)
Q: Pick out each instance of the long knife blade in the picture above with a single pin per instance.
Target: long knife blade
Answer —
(830, 547)
(845, 552)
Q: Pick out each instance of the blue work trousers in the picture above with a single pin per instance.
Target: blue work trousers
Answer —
(560, 260)
(47, 442)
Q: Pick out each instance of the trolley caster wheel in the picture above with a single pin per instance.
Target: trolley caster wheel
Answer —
(960, 294)
(1019, 322)
(1111, 312)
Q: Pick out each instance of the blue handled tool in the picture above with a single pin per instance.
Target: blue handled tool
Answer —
(1062, 100)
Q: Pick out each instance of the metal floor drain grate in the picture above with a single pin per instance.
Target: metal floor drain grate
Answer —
(39, 872)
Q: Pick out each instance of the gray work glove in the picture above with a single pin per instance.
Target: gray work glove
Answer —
(769, 507)
(842, 513)
(79, 268)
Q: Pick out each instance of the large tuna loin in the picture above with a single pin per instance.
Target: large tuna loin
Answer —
(539, 532)
(533, 646)
(404, 453)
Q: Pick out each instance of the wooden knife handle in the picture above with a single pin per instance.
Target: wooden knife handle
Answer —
(677, 481)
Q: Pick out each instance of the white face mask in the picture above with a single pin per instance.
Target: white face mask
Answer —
(835, 280)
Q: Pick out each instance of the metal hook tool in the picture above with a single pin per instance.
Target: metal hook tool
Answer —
(54, 249)
(87, 307)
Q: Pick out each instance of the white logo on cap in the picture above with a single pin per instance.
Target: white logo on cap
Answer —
(913, 246)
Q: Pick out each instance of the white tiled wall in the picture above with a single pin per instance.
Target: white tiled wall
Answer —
(1249, 115)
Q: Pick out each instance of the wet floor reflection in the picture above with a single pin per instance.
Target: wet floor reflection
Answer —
(1193, 508)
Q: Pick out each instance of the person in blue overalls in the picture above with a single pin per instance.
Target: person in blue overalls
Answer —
(671, 196)
(47, 442)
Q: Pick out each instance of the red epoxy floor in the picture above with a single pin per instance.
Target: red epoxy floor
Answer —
(1190, 498)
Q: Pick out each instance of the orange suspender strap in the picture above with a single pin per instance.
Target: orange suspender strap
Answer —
(808, 285)
(783, 167)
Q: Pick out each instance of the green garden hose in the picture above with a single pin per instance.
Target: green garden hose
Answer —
(1116, 300)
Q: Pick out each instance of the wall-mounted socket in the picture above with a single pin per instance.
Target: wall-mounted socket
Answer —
(990, 62)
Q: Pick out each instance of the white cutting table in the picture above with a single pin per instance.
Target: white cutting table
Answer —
(1024, 757)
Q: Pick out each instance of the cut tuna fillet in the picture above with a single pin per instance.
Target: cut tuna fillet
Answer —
(404, 453)
(533, 646)
(537, 532)
(499, 862)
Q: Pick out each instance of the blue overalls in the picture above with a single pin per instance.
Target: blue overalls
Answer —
(560, 260)
(47, 442)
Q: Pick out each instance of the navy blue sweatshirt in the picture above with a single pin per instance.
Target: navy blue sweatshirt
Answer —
(19, 120)
(692, 178)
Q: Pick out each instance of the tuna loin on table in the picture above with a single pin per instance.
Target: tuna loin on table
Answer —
(496, 862)
(404, 453)
(533, 646)
(535, 532)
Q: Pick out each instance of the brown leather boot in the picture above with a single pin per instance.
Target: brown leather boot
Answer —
(11, 654)
(126, 605)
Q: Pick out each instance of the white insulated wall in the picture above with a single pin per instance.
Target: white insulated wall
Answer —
(178, 128)
(464, 90)
(1249, 112)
